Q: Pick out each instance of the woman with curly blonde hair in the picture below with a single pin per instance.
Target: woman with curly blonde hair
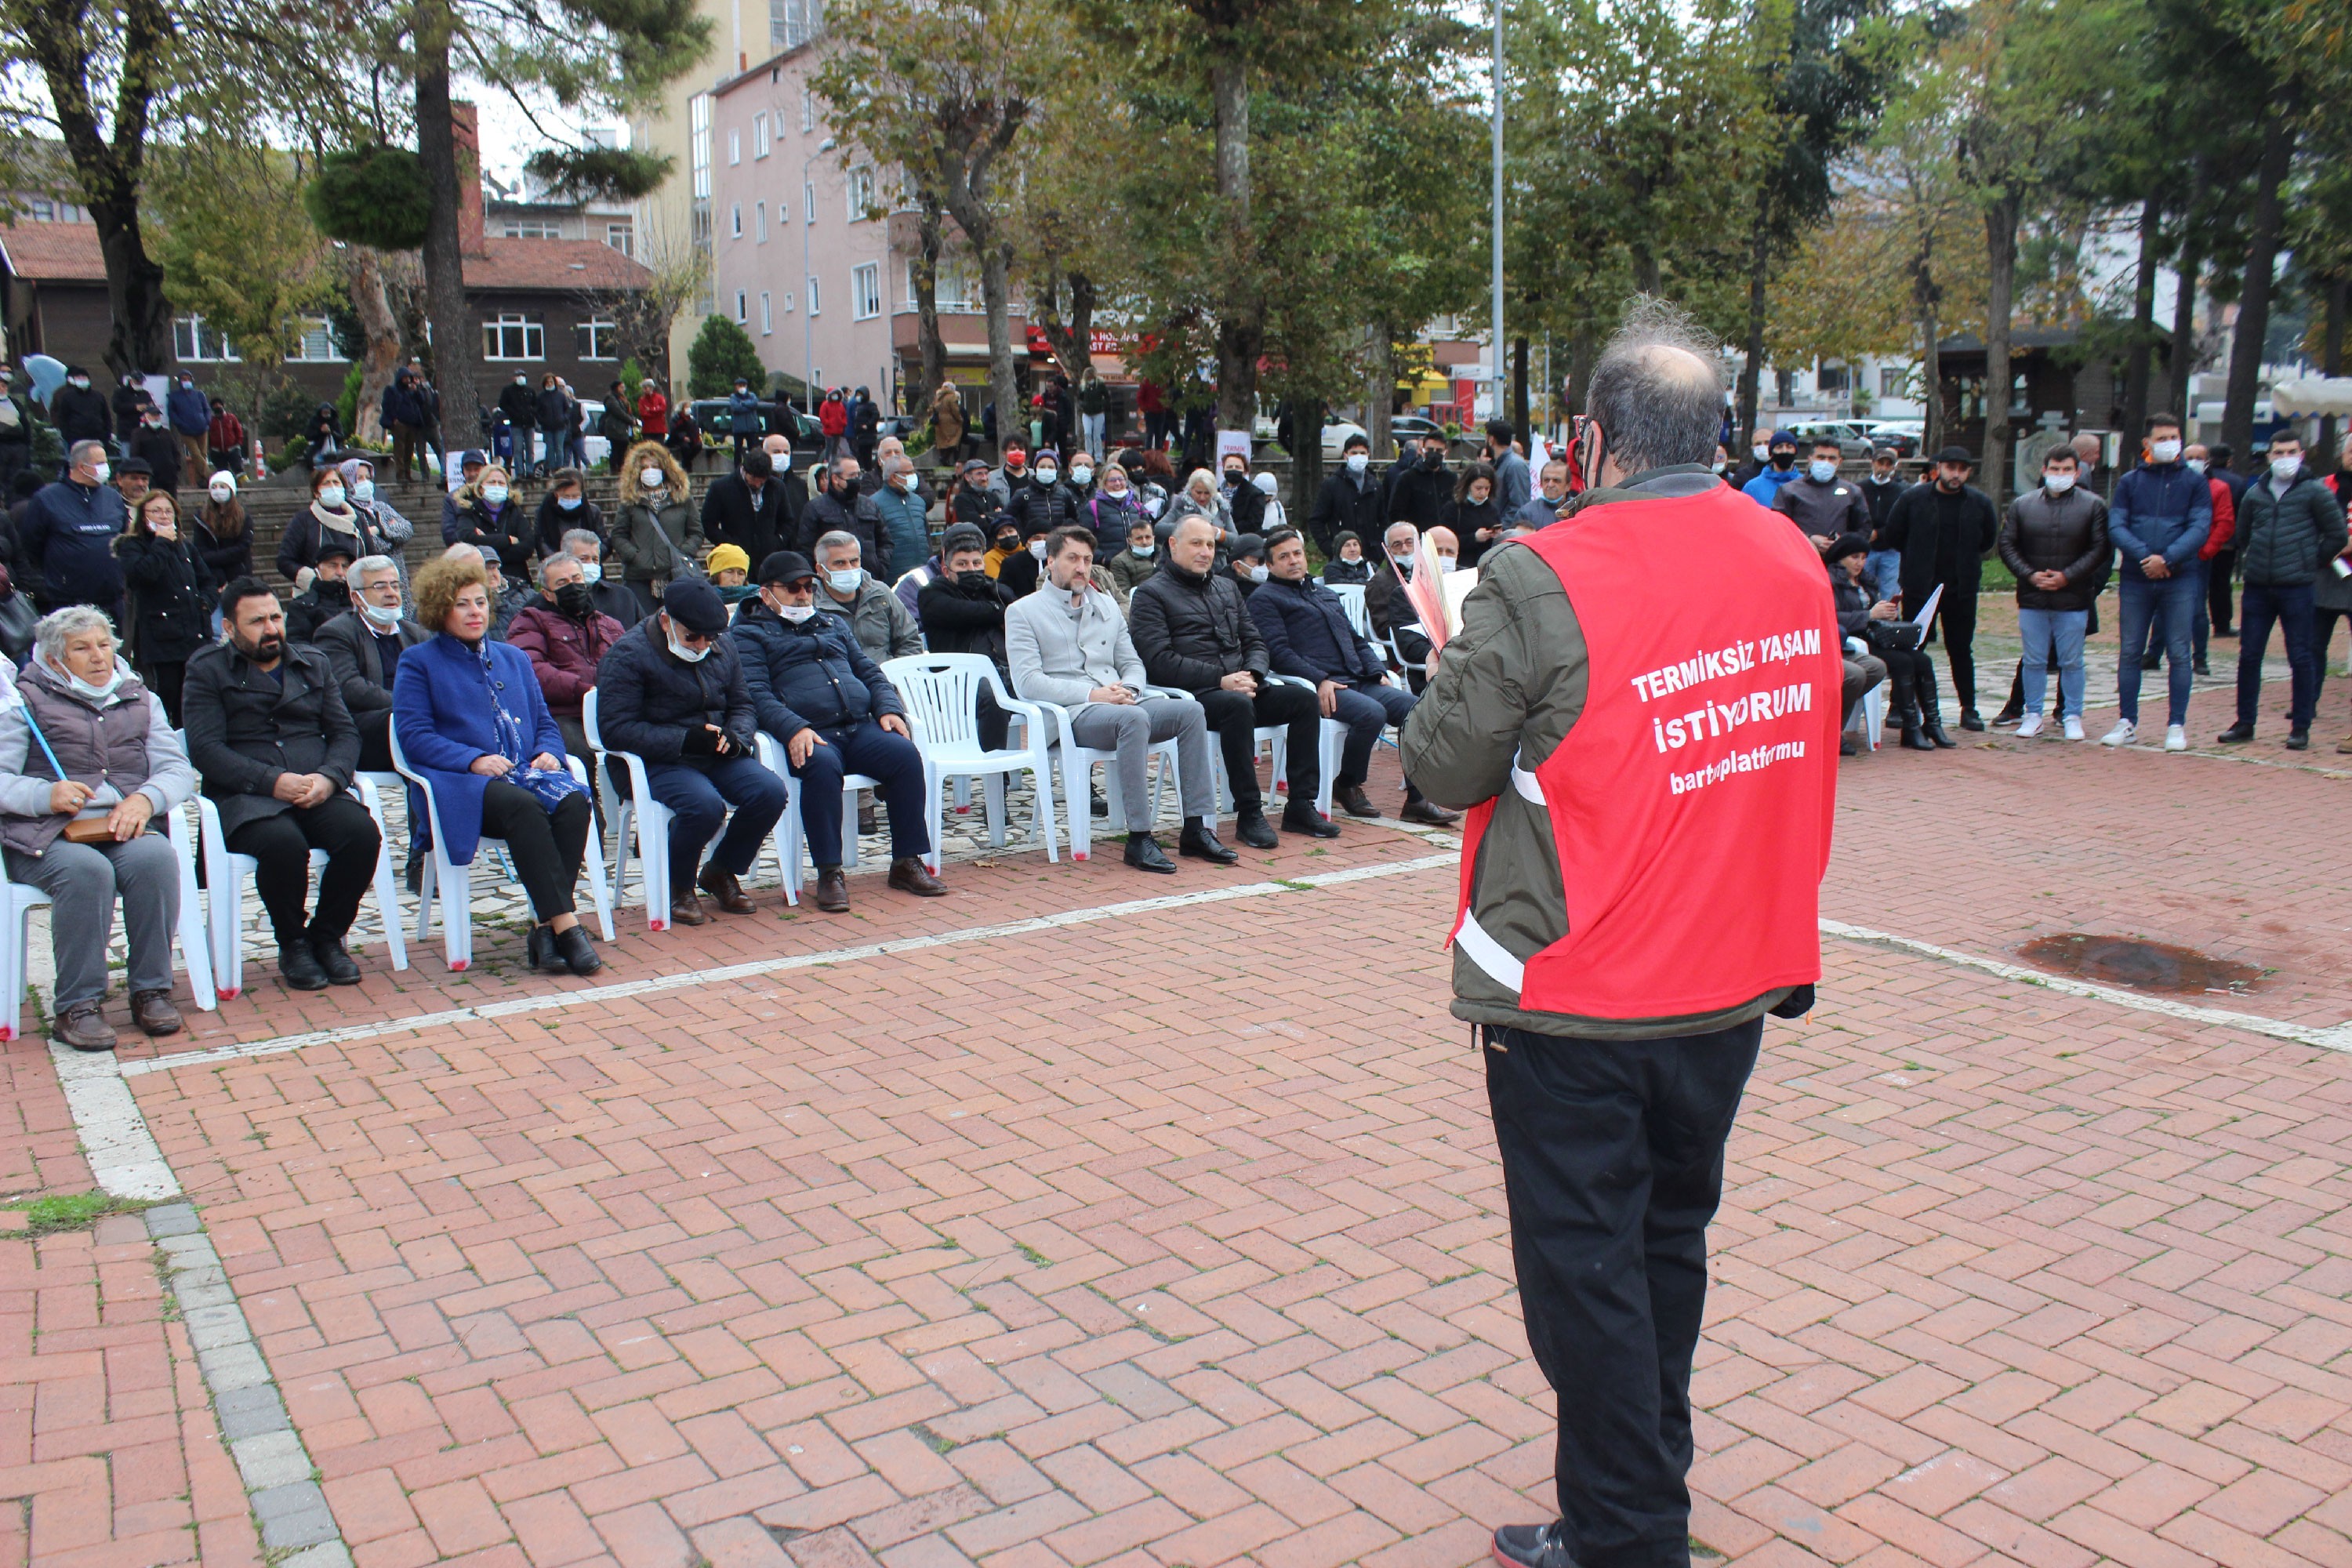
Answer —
(657, 535)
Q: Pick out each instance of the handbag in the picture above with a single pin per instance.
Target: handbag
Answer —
(681, 565)
(1899, 636)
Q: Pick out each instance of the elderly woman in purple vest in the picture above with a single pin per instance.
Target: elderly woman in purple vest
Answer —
(88, 763)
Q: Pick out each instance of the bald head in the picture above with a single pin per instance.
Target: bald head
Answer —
(2086, 450)
(1656, 392)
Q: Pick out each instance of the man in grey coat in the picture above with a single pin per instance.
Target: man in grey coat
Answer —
(1067, 644)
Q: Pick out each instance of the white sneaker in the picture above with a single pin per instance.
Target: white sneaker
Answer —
(2073, 728)
(2123, 734)
(2029, 726)
(2176, 737)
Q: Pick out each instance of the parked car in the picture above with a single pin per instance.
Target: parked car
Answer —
(1849, 436)
(1904, 435)
(1407, 429)
(710, 413)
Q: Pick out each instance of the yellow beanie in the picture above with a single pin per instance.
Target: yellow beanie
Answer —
(726, 556)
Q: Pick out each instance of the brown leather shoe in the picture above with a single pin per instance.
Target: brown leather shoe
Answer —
(1429, 813)
(685, 910)
(153, 1011)
(83, 1026)
(832, 890)
(726, 890)
(911, 876)
(1355, 802)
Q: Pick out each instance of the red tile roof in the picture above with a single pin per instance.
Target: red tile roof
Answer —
(544, 264)
(58, 252)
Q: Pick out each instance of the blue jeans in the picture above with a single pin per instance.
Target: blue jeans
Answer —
(2164, 609)
(1885, 568)
(2291, 607)
(895, 767)
(2045, 630)
(699, 791)
(1366, 708)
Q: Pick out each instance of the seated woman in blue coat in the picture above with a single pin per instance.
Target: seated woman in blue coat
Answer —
(470, 719)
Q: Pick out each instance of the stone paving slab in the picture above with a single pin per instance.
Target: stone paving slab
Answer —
(1176, 1238)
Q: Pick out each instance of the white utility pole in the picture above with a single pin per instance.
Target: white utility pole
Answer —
(1502, 380)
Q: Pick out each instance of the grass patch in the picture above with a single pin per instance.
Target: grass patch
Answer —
(73, 1211)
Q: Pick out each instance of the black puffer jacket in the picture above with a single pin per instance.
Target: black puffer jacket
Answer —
(1040, 508)
(1193, 631)
(958, 616)
(2286, 541)
(80, 414)
(172, 596)
(649, 699)
(2067, 534)
(860, 519)
(815, 675)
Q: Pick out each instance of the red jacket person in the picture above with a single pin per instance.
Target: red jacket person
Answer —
(1649, 761)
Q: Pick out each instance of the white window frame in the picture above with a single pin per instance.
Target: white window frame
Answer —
(735, 220)
(600, 334)
(767, 314)
(529, 335)
(816, 305)
(865, 291)
(190, 340)
(808, 201)
(759, 134)
(621, 237)
(808, 110)
(760, 221)
(316, 345)
(742, 309)
(698, 142)
(858, 190)
(734, 145)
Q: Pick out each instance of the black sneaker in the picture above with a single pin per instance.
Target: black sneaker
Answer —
(300, 967)
(339, 966)
(1308, 820)
(1253, 829)
(2235, 733)
(1531, 1546)
(2298, 740)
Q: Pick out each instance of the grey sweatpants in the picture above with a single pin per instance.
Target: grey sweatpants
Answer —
(83, 882)
(1131, 730)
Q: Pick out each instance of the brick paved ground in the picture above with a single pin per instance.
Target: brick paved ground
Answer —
(1175, 1236)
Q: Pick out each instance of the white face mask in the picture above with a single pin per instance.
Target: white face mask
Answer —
(1148, 547)
(591, 573)
(795, 614)
(494, 494)
(846, 581)
(1357, 462)
(1762, 452)
(651, 477)
(2058, 484)
(1447, 563)
(1403, 563)
(691, 655)
(1048, 475)
(80, 382)
(1822, 472)
(1255, 574)
(102, 470)
(2165, 451)
(2287, 468)
(81, 688)
(222, 494)
(1038, 548)
(381, 614)
(1081, 474)
(2195, 465)
(331, 496)
(364, 490)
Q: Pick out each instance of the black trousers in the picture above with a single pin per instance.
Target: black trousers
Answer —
(166, 680)
(376, 740)
(547, 845)
(2219, 589)
(1910, 683)
(2323, 632)
(1233, 715)
(1612, 1165)
(1957, 617)
(280, 846)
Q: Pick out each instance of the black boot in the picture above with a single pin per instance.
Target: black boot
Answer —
(1252, 828)
(1916, 740)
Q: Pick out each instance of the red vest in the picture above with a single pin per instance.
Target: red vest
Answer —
(1692, 800)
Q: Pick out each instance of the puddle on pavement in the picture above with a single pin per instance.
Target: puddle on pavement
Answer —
(2142, 966)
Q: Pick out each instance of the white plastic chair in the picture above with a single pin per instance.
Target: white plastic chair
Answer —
(650, 817)
(790, 842)
(1078, 764)
(1351, 599)
(196, 947)
(1869, 718)
(1273, 738)
(454, 883)
(226, 873)
(941, 691)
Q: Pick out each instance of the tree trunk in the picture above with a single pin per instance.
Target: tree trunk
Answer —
(1760, 256)
(1240, 318)
(456, 345)
(380, 358)
(2138, 368)
(2255, 290)
(1306, 459)
(2331, 363)
(1931, 367)
(2000, 283)
(1379, 387)
(2183, 362)
(995, 291)
(1520, 391)
(931, 234)
(1582, 349)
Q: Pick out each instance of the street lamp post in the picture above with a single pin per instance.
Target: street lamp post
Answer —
(808, 321)
(1501, 402)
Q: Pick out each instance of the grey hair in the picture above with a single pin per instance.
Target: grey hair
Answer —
(54, 630)
(367, 564)
(895, 463)
(463, 552)
(573, 536)
(74, 458)
(835, 539)
(835, 468)
(540, 565)
(1657, 390)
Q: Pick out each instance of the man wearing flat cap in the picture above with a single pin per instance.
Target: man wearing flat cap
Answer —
(671, 689)
(816, 689)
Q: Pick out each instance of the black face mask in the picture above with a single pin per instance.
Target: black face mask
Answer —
(1009, 543)
(333, 592)
(1433, 460)
(1783, 459)
(572, 600)
(973, 582)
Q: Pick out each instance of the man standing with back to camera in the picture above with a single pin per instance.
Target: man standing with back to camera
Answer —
(1650, 761)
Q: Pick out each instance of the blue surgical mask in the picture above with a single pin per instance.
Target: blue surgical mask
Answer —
(1148, 547)
(494, 494)
(1822, 472)
(846, 581)
(568, 503)
(591, 573)
(331, 496)
(364, 490)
